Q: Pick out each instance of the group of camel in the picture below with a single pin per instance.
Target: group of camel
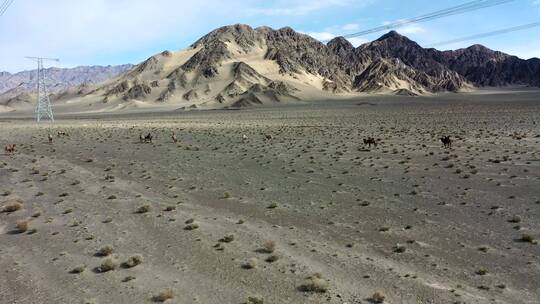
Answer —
(59, 134)
(148, 138)
(370, 141)
(446, 141)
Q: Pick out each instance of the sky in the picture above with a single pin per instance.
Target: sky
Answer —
(103, 32)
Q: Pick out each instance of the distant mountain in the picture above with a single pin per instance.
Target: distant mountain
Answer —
(59, 78)
(237, 66)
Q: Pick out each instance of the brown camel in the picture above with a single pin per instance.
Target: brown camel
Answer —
(10, 148)
(370, 141)
(446, 141)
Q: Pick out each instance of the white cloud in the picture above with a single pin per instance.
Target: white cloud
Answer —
(537, 2)
(339, 30)
(296, 7)
(411, 29)
(356, 41)
(109, 31)
(326, 36)
(321, 36)
(81, 31)
(351, 27)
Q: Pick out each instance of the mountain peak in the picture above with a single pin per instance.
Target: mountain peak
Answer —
(477, 47)
(340, 41)
(340, 45)
(227, 33)
(392, 35)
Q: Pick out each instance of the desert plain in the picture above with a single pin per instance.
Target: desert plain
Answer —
(278, 204)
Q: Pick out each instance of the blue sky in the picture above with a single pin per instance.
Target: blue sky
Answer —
(105, 32)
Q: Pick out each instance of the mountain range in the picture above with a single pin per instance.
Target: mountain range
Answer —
(22, 84)
(236, 66)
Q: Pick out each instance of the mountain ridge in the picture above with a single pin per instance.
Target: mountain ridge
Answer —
(238, 65)
(66, 77)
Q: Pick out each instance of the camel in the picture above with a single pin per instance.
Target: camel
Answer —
(370, 141)
(50, 138)
(59, 134)
(10, 148)
(446, 141)
(145, 139)
(244, 138)
(268, 137)
(174, 139)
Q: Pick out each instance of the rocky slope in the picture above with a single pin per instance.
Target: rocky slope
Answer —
(485, 67)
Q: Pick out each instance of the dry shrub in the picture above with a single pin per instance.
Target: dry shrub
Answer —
(314, 283)
(78, 269)
(164, 295)
(377, 297)
(12, 207)
(269, 246)
(133, 261)
(272, 205)
(272, 258)
(227, 239)
(143, 209)
(527, 238)
(107, 265)
(192, 226)
(22, 226)
(250, 264)
(255, 300)
(105, 251)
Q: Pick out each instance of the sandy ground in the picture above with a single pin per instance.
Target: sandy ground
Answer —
(413, 221)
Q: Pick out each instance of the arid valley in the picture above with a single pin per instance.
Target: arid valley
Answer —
(277, 204)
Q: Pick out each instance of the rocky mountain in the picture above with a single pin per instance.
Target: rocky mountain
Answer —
(236, 66)
(485, 67)
(14, 84)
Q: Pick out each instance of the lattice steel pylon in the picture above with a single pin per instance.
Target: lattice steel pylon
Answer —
(43, 107)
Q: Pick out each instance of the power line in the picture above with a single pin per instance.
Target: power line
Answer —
(455, 10)
(488, 34)
(5, 6)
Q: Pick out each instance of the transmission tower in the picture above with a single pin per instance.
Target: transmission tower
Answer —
(43, 107)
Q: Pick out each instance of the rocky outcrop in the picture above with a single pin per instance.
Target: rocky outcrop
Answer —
(138, 91)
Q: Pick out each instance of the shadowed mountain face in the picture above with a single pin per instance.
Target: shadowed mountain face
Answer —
(485, 67)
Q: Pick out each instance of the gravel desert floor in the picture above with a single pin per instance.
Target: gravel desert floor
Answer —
(299, 211)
